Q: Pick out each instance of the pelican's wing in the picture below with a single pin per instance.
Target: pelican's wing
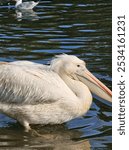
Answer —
(22, 85)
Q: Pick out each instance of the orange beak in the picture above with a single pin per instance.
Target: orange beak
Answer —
(95, 85)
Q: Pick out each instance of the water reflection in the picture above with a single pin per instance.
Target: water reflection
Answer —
(56, 137)
(81, 28)
(26, 14)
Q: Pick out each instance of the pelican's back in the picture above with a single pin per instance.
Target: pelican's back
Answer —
(30, 85)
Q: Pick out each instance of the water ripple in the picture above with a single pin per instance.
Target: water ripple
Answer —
(81, 28)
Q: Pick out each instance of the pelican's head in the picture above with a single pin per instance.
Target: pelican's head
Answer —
(76, 69)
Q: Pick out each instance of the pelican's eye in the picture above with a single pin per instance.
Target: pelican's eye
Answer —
(78, 65)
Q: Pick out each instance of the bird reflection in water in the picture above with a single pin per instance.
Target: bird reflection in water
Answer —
(26, 14)
(56, 137)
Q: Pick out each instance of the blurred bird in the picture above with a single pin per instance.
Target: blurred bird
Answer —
(25, 5)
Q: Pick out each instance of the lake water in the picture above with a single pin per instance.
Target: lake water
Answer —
(77, 27)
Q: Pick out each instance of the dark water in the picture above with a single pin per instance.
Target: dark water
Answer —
(78, 27)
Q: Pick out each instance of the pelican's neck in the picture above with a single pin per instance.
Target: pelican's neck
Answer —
(80, 90)
(18, 3)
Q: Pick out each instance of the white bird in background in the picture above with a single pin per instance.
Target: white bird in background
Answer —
(25, 5)
(33, 93)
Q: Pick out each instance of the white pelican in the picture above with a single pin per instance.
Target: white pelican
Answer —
(25, 5)
(33, 93)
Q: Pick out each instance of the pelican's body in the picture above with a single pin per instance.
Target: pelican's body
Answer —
(25, 5)
(37, 94)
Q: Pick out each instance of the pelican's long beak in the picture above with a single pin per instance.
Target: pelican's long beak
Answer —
(96, 86)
